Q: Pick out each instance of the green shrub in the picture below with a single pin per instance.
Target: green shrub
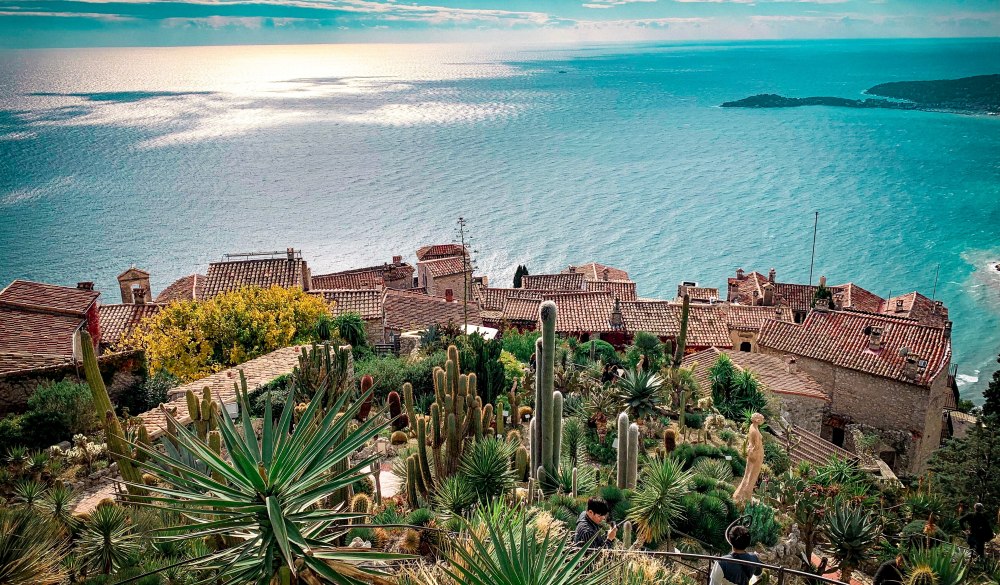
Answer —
(764, 529)
(522, 345)
(276, 390)
(390, 372)
(149, 393)
(601, 451)
(604, 351)
(775, 456)
(694, 420)
(11, 430)
(57, 411)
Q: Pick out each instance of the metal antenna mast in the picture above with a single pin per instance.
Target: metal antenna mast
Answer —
(812, 260)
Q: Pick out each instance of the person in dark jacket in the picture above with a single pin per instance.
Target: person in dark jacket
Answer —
(980, 529)
(589, 524)
(890, 572)
(739, 539)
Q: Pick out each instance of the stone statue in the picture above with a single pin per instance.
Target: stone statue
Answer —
(755, 458)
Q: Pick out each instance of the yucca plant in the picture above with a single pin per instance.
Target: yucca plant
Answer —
(107, 541)
(946, 562)
(586, 478)
(517, 552)
(28, 493)
(572, 438)
(657, 504)
(486, 466)
(455, 495)
(852, 533)
(31, 549)
(266, 504)
(640, 393)
(58, 503)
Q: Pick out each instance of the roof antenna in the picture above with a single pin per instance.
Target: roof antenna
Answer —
(812, 260)
(936, 271)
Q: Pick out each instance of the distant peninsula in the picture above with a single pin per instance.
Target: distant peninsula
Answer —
(968, 95)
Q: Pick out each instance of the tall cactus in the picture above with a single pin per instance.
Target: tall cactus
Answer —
(622, 465)
(114, 437)
(546, 427)
(411, 413)
(632, 464)
(682, 337)
(202, 411)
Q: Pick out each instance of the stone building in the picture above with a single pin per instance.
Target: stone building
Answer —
(697, 294)
(118, 321)
(408, 311)
(397, 274)
(259, 269)
(567, 281)
(707, 326)
(185, 288)
(452, 273)
(438, 251)
(885, 376)
(44, 321)
(134, 286)
(368, 303)
(593, 271)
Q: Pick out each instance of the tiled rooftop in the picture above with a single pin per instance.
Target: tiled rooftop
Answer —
(856, 298)
(436, 251)
(770, 370)
(405, 310)
(595, 271)
(706, 323)
(582, 312)
(567, 281)
(365, 302)
(698, 294)
(752, 317)
(916, 306)
(13, 362)
(118, 321)
(521, 309)
(623, 290)
(445, 266)
(37, 296)
(37, 333)
(351, 279)
(840, 338)
(186, 288)
(265, 273)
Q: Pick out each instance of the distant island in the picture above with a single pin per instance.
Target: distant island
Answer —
(969, 95)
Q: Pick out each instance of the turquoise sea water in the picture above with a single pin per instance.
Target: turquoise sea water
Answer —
(169, 157)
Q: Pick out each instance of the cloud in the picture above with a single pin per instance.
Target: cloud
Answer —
(613, 3)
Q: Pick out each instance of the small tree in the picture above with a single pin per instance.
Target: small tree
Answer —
(992, 393)
(968, 469)
(518, 274)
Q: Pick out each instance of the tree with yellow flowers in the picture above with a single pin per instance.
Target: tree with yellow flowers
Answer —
(192, 339)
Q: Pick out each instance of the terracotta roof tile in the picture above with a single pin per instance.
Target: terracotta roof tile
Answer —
(839, 337)
(493, 298)
(186, 288)
(37, 296)
(746, 291)
(916, 306)
(118, 321)
(582, 312)
(595, 271)
(566, 281)
(771, 370)
(265, 273)
(353, 280)
(405, 310)
(521, 309)
(706, 323)
(623, 290)
(436, 251)
(13, 363)
(699, 294)
(856, 298)
(37, 333)
(751, 318)
(365, 302)
(445, 266)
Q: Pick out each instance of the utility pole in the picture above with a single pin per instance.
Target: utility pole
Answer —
(812, 260)
(465, 274)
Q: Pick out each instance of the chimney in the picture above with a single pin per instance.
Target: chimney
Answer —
(291, 253)
(85, 285)
(938, 306)
(838, 301)
(604, 275)
(449, 295)
(790, 365)
(616, 316)
(396, 260)
(572, 269)
(899, 306)
(822, 281)
(771, 274)
(139, 295)
(947, 329)
(769, 293)
(874, 337)
(910, 367)
(740, 275)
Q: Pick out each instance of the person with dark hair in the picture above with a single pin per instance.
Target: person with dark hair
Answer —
(890, 572)
(589, 524)
(980, 529)
(736, 573)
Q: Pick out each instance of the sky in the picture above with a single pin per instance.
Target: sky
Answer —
(58, 23)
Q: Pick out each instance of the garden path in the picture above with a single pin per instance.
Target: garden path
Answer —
(257, 371)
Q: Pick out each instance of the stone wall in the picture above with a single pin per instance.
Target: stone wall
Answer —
(119, 370)
(881, 403)
(456, 282)
(805, 412)
(375, 330)
(740, 337)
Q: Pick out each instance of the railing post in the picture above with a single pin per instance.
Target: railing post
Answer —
(781, 575)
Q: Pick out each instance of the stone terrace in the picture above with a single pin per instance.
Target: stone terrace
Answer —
(258, 371)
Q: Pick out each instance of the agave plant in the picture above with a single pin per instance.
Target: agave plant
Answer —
(487, 467)
(58, 502)
(31, 549)
(29, 493)
(107, 541)
(572, 437)
(586, 478)
(640, 393)
(264, 501)
(852, 533)
(516, 552)
(455, 495)
(657, 504)
(946, 562)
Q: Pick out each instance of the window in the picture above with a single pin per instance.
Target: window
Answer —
(745, 346)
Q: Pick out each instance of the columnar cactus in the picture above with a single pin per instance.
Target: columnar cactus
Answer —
(682, 337)
(411, 482)
(632, 465)
(521, 463)
(215, 445)
(622, 466)
(202, 412)
(627, 534)
(399, 420)
(575, 491)
(669, 441)
(411, 414)
(113, 435)
(366, 407)
(361, 504)
(422, 459)
(141, 455)
(546, 431)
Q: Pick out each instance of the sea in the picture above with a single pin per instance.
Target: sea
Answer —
(167, 158)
